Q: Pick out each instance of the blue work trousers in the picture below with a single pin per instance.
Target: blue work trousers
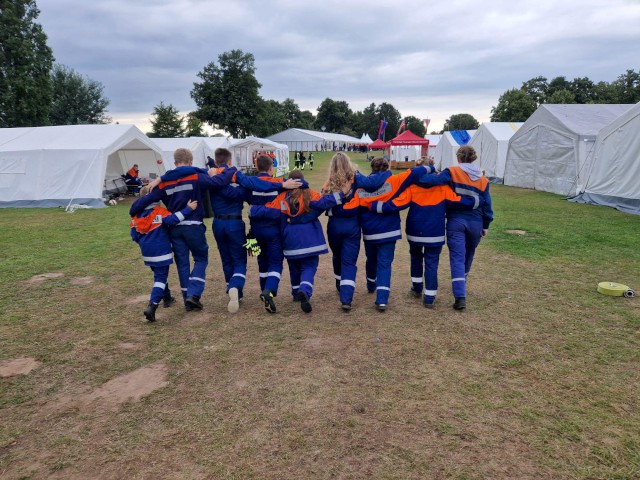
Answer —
(378, 268)
(230, 239)
(424, 263)
(160, 290)
(344, 241)
(271, 258)
(302, 272)
(463, 237)
(190, 240)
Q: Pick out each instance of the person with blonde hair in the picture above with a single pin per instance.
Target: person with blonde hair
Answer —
(465, 228)
(343, 229)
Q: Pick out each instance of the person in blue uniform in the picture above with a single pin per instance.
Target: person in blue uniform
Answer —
(149, 230)
(188, 237)
(132, 180)
(302, 236)
(465, 228)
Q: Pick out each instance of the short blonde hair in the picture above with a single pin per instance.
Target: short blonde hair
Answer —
(182, 156)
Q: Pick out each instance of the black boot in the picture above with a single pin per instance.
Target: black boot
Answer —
(150, 312)
(460, 303)
(167, 302)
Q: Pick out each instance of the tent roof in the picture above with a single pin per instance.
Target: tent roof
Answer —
(408, 138)
(580, 119)
(378, 144)
(499, 130)
(366, 138)
(167, 144)
(301, 135)
(433, 139)
(255, 141)
(75, 137)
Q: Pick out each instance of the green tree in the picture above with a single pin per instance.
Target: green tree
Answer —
(365, 121)
(270, 119)
(415, 125)
(25, 64)
(537, 88)
(307, 120)
(558, 83)
(583, 89)
(562, 97)
(513, 106)
(391, 115)
(333, 115)
(461, 121)
(627, 87)
(76, 99)
(195, 127)
(167, 122)
(227, 97)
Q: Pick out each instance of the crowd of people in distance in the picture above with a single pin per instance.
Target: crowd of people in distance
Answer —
(452, 205)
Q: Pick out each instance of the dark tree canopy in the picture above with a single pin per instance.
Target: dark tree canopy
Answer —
(25, 66)
(334, 115)
(167, 122)
(76, 99)
(194, 127)
(461, 121)
(513, 106)
(227, 97)
(415, 125)
(391, 115)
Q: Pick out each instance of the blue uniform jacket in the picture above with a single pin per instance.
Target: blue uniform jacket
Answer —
(302, 233)
(462, 184)
(176, 193)
(149, 230)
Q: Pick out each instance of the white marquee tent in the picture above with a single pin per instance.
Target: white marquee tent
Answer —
(433, 143)
(491, 142)
(553, 149)
(366, 139)
(444, 154)
(246, 149)
(170, 145)
(298, 139)
(614, 176)
(211, 143)
(60, 166)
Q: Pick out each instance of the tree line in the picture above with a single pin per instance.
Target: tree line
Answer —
(516, 105)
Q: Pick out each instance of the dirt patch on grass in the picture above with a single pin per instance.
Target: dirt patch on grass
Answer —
(516, 232)
(17, 366)
(140, 299)
(81, 280)
(45, 276)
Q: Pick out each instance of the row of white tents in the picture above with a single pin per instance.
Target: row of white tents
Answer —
(80, 164)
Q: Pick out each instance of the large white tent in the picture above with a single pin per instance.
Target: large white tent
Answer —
(614, 176)
(298, 139)
(210, 144)
(245, 150)
(366, 139)
(433, 143)
(77, 164)
(491, 142)
(553, 149)
(445, 152)
(170, 145)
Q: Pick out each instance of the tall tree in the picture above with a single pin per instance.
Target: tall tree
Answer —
(25, 63)
(228, 96)
(307, 120)
(333, 115)
(537, 88)
(558, 83)
(562, 97)
(461, 121)
(627, 86)
(167, 122)
(76, 99)
(270, 119)
(513, 106)
(194, 127)
(391, 115)
(415, 125)
(583, 89)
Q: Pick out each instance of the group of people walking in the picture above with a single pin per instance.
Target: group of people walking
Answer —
(284, 223)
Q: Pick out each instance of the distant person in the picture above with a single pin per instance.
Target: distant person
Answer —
(310, 160)
(303, 161)
(149, 230)
(296, 158)
(132, 179)
(465, 228)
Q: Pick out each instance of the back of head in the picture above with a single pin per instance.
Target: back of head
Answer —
(466, 154)
(222, 156)
(379, 164)
(182, 156)
(299, 198)
(264, 163)
(296, 175)
(341, 173)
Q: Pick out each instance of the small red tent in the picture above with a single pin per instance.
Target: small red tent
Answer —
(378, 144)
(409, 138)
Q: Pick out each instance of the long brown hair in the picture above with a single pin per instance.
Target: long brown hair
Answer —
(299, 198)
(341, 174)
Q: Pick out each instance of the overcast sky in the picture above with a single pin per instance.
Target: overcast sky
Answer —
(428, 59)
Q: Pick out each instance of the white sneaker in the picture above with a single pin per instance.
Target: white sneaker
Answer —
(234, 303)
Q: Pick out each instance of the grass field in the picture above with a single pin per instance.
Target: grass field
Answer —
(539, 378)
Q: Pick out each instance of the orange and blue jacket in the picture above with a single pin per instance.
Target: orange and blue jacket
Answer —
(462, 184)
(425, 223)
(302, 233)
(148, 232)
